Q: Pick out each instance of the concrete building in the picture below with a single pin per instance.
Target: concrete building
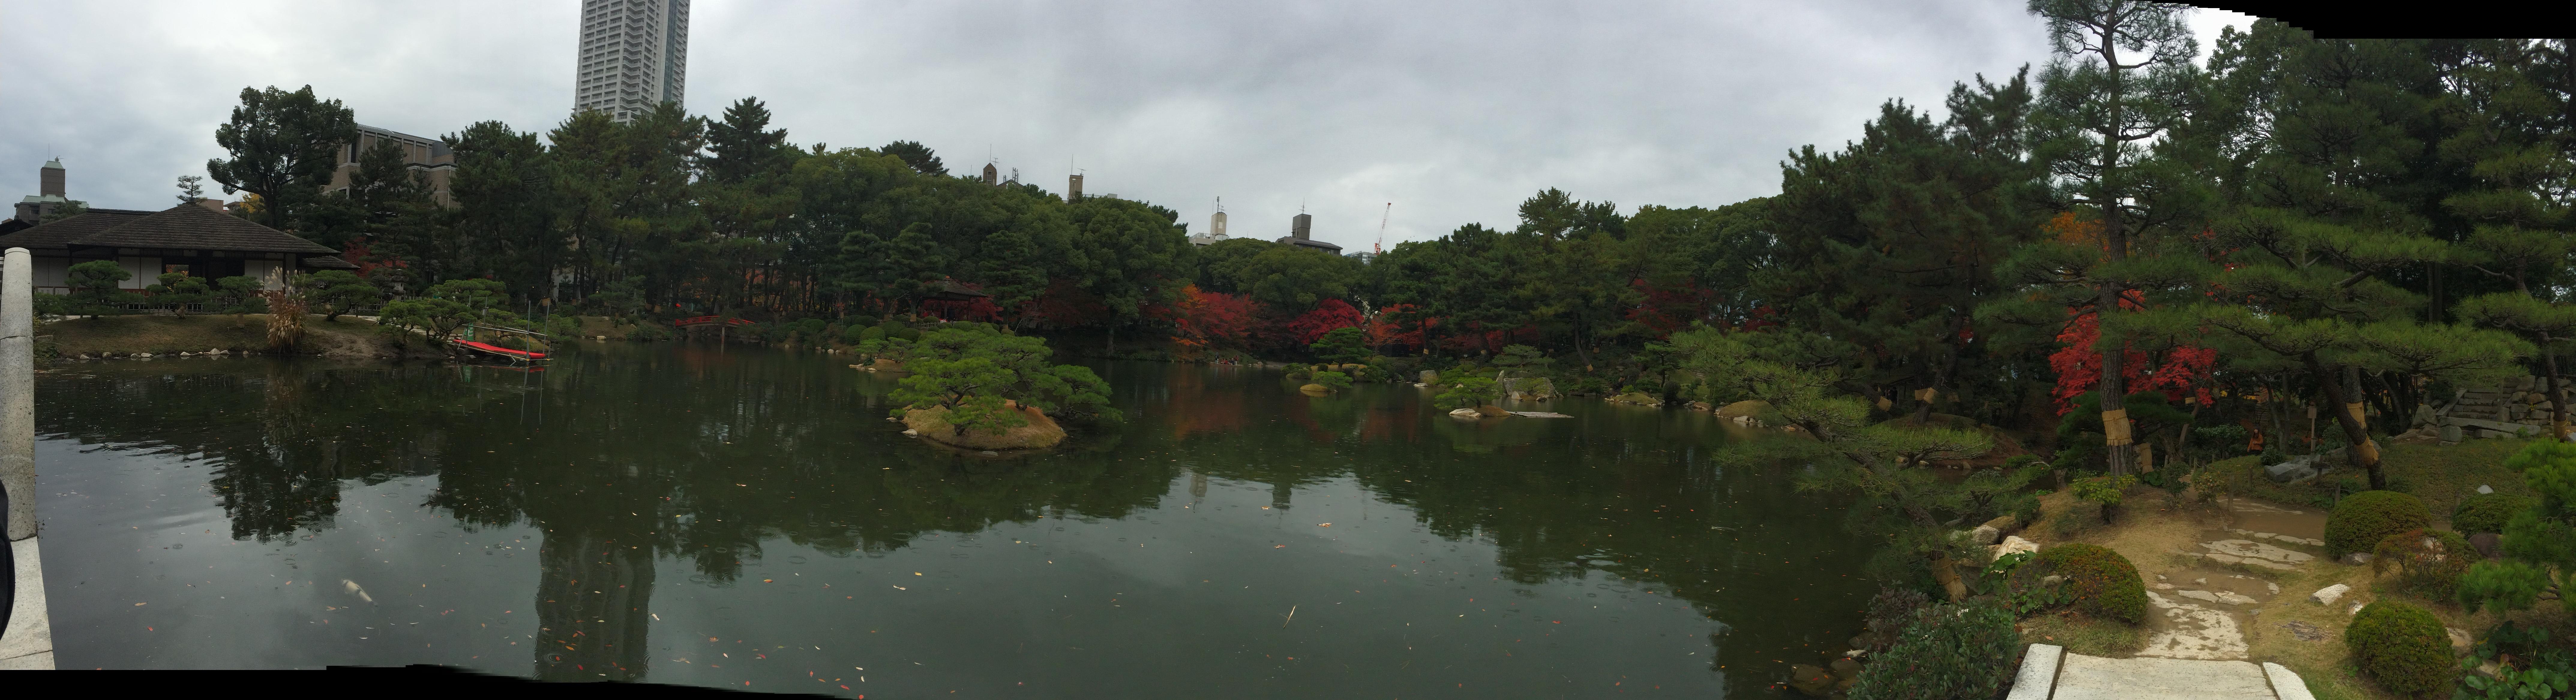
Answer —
(992, 175)
(48, 197)
(1073, 188)
(198, 239)
(1301, 234)
(634, 55)
(430, 159)
(1216, 227)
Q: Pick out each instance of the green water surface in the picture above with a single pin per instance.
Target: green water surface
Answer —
(748, 519)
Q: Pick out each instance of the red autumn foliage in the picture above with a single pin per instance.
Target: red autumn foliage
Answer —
(1326, 316)
(2179, 372)
(1400, 324)
(1212, 319)
(1669, 309)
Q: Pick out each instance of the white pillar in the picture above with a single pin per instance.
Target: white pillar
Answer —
(18, 391)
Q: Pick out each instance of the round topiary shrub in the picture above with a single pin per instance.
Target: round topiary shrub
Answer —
(2363, 519)
(2105, 584)
(2487, 512)
(2402, 647)
(2428, 562)
(1949, 651)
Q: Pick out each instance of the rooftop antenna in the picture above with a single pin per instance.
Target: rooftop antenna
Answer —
(1380, 246)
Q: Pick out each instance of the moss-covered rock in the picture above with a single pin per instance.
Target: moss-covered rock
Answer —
(2402, 647)
(1040, 431)
(2363, 519)
(2106, 585)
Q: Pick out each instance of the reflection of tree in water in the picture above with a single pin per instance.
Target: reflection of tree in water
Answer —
(618, 458)
(278, 438)
(1630, 494)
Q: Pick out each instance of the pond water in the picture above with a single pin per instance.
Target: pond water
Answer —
(747, 518)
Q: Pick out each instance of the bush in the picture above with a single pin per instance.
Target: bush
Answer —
(2105, 584)
(2487, 512)
(1949, 651)
(1333, 380)
(2428, 562)
(1467, 392)
(2363, 519)
(1889, 612)
(2401, 646)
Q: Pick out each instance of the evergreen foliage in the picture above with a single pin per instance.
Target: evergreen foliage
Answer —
(2361, 520)
(1948, 652)
(2402, 647)
(2105, 584)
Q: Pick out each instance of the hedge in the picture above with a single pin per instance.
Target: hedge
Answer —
(2363, 519)
(2106, 585)
(2403, 647)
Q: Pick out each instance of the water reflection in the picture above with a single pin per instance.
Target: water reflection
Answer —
(624, 457)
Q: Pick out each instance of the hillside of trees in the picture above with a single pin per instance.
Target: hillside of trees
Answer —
(2356, 223)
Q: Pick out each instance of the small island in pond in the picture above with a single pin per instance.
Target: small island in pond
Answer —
(977, 386)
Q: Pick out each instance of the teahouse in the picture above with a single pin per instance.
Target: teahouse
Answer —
(197, 239)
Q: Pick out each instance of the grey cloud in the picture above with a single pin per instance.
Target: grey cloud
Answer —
(1454, 111)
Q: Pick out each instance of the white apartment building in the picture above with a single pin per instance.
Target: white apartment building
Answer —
(634, 55)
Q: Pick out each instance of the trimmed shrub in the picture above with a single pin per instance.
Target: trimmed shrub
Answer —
(2427, 562)
(1949, 651)
(2403, 647)
(2105, 584)
(1889, 612)
(2487, 512)
(2363, 519)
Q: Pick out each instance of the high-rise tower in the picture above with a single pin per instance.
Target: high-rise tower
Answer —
(634, 55)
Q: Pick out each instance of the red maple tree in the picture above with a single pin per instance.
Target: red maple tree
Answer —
(1326, 316)
(2179, 371)
(1211, 319)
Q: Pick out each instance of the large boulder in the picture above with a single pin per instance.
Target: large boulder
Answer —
(2292, 470)
(1315, 389)
(2011, 545)
(1491, 411)
(1743, 409)
(932, 424)
(1637, 398)
(1993, 531)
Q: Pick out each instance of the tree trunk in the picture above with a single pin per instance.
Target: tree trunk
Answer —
(2557, 398)
(2340, 391)
(2106, 195)
(1949, 361)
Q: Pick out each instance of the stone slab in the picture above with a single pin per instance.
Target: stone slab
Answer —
(2286, 685)
(2093, 678)
(29, 641)
(2250, 549)
(2038, 672)
(2182, 630)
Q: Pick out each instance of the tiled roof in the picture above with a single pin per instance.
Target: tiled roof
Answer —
(190, 226)
(58, 235)
(332, 262)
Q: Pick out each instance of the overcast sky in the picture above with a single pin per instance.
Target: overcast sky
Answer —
(1453, 111)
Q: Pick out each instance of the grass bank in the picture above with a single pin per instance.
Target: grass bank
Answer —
(102, 336)
(2439, 475)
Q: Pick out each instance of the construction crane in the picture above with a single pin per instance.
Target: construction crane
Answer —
(1379, 248)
